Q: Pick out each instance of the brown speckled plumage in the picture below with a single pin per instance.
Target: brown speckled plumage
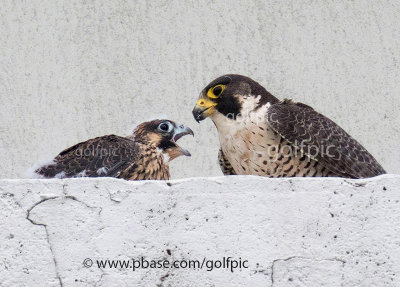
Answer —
(299, 123)
(225, 165)
(141, 156)
(261, 135)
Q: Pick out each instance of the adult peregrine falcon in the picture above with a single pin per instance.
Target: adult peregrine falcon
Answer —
(141, 156)
(262, 135)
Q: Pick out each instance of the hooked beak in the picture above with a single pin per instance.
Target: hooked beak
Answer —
(179, 132)
(203, 109)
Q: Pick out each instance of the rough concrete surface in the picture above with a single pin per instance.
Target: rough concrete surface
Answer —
(71, 70)
(293, 232)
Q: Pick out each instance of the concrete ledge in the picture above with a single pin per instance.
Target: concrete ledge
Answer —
(292, 232)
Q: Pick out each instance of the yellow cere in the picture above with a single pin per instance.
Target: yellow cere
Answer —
(205, 103)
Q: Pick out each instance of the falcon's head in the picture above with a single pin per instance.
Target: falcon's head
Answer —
(163, 134)
(229, 96)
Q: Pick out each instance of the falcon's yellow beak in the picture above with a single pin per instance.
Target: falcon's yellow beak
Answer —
(203, 109)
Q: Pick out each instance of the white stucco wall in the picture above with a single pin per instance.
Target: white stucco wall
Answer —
(72, 70)
(293, 232)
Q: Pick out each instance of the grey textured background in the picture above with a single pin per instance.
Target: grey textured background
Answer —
(72, 70)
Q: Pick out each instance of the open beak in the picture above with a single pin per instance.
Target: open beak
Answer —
(179, 132)
(203, 109)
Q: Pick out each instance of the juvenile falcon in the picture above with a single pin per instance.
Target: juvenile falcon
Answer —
(262, 135)
(141, 156)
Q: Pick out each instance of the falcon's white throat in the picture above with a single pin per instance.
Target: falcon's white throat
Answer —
(245, 136)
(248, 116)
(164, 154)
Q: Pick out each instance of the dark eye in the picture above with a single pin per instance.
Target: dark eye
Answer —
(165, 127)
(217, 90)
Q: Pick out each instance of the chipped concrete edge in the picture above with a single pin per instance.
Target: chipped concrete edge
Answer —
(29, 194)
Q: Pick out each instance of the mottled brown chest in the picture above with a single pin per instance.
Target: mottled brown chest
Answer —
(149, 166)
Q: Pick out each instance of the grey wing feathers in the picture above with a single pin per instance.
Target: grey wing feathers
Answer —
(225, 165)
(101, 156)
(322, 139)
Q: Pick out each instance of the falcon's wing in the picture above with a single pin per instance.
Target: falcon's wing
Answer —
(322, 139)
(225, 165)
(101, 156)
